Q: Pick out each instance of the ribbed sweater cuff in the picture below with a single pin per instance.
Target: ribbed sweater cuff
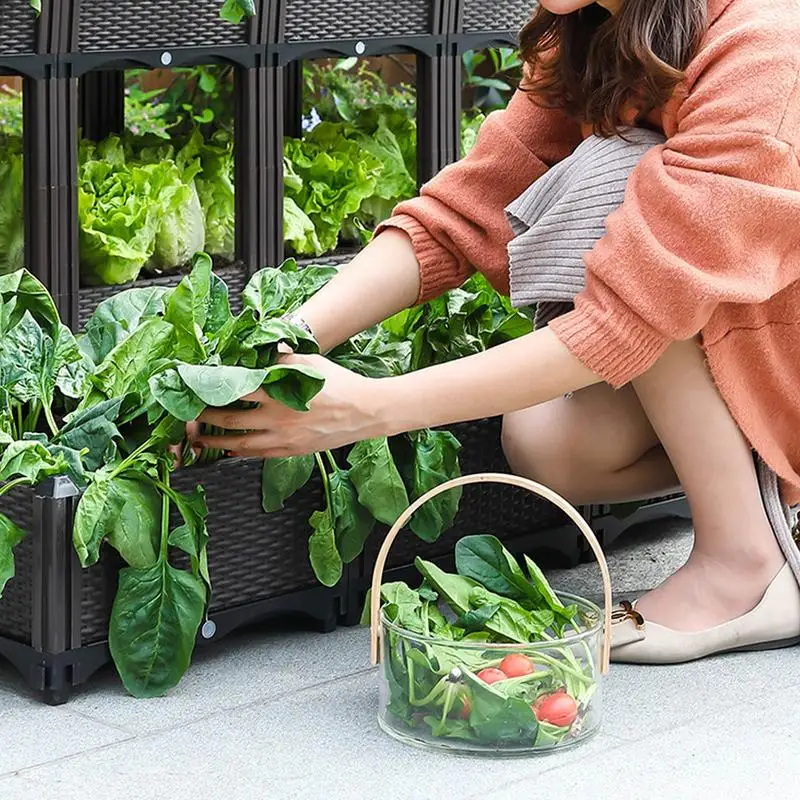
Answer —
(616, 349)
(439, 270)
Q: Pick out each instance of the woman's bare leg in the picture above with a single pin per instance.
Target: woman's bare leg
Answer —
(735, 553)
(595, 447)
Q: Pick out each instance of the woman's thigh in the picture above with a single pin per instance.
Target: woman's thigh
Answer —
(596, 431)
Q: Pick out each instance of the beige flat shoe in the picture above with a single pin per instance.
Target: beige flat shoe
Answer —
(773, 623)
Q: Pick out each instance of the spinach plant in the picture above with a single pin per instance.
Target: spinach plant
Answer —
(149, 361)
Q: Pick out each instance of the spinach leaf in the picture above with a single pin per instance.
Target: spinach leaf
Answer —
(510, 621)
(294, 385)
(322, 552)
(186, 310)
(476, 619)
(192, 536)
(454, 589)
(377, 480)
(484, 559)
(124, 511)
(266, 292)
(22, 293)
(10, 537)
(218, 307)
(154, 623)
(173, 395)
(117, 317)
(435, 461)
(132, 361)
(72, 377)
(92, 430)
(496, 718)
(352, 522)
(31, 459)
(269, 333)
(281, 478)
(546, 592)
(220, 386)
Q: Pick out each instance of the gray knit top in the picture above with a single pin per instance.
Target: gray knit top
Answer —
(561, 217)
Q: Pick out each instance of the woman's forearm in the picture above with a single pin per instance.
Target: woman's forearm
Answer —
(513, 376)
(380, 281)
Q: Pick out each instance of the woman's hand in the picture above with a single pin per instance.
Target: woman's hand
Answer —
(348, 409)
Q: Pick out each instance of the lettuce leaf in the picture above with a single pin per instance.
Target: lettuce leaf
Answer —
(12, 227)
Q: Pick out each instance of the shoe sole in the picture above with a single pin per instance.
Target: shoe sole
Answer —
(777, 644)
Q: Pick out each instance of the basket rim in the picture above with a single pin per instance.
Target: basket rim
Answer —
(511, 646)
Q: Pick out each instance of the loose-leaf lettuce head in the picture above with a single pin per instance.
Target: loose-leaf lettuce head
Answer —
(118, 212)
(337, 176)
(12, 227)
(182, 228)
(215, 187)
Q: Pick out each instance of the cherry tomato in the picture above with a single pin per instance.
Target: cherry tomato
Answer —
(516, 665)
(491, 675)
(558, 709)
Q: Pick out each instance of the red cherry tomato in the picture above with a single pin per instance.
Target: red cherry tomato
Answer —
(491, 675)
(558, 709)
(516, 665)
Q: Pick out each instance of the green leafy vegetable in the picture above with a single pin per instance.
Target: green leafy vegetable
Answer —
(154, 622)
(377, 481)
(281, 478)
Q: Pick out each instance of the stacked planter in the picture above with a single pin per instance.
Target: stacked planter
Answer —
(54, 615)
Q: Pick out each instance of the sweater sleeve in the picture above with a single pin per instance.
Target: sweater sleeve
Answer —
(709, 218)
(458, 222)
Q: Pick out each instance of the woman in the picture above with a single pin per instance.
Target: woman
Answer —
(681, 355)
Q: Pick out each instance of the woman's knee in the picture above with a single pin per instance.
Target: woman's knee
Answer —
(554, 455)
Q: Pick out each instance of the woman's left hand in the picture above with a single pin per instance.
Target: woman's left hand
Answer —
(346, 410)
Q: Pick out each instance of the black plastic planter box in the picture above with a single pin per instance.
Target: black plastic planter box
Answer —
(54, 615)
(24, 33)
(174, 32)
(235, 276)
(302, 29)
(478, 24)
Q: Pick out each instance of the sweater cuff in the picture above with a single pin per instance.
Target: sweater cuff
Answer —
(617, 347)
(439, 269)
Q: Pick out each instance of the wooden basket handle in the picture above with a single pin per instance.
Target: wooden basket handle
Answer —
(490, 477)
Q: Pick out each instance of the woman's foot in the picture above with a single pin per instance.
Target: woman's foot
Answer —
(707, 592)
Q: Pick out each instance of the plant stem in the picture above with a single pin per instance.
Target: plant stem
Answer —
(51, 422)
(128, 460)
(326, 485)
(20, 424)
(332, 461)
(560, 665)
(165, 512)
(7, 487)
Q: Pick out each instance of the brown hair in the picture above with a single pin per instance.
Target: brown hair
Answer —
(592, 63)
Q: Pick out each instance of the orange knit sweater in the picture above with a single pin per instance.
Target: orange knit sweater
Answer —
(707, 241)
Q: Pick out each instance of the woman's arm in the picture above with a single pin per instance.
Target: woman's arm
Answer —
(380, 281)
(525, 372)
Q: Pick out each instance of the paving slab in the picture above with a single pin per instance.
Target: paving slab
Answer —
(248, 666)
(732, 754)
(318, 744)
(37, 734)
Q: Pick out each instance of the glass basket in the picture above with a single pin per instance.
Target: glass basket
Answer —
(430, 692)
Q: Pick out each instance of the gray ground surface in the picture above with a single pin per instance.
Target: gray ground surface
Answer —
(277, 715)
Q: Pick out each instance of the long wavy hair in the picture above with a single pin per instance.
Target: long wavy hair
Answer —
(594, 64)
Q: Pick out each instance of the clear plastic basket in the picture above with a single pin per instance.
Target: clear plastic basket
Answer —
(431, 694)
